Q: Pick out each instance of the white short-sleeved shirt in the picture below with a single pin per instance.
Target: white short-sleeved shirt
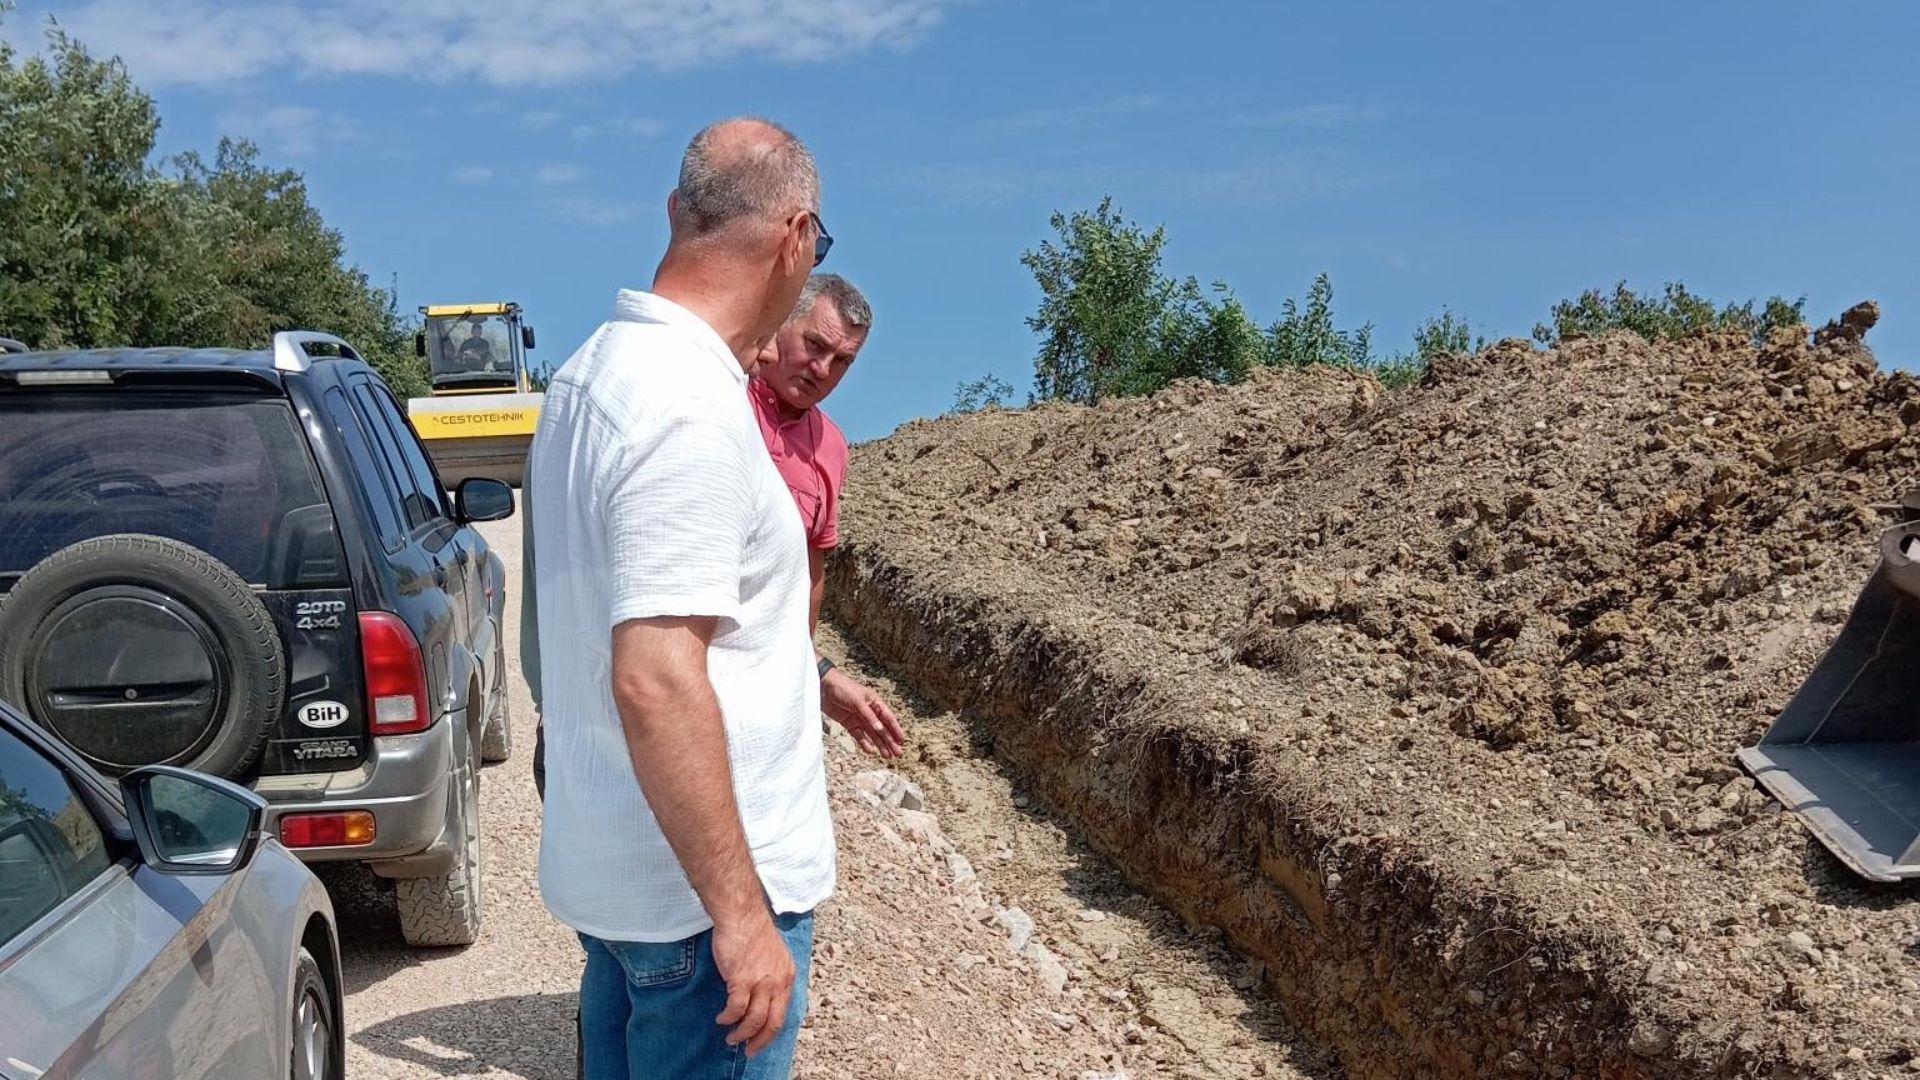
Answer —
(657, 498)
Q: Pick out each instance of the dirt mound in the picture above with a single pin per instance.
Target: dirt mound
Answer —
(1510, 625)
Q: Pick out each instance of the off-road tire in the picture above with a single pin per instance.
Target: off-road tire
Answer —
(444, 910)
(254, 661)
(314, 1045)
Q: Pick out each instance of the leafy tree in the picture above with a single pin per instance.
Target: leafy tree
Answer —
(1104, 306)
(1674, 314)
(1301, 338)
(82, 250)
(986, 392)
(1212, 339)
(1112, 323)
(103, 247)
(271, 263)
(1445, 334)
(16, 805)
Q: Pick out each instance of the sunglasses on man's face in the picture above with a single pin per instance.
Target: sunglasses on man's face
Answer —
(822, 240)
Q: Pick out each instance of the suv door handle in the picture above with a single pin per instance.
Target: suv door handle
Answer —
(460, 555)
(440, 574)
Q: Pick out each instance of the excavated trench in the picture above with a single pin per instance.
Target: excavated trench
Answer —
(1397, 968)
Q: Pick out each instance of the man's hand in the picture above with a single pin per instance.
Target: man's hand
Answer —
(862, 712)
(758, 970)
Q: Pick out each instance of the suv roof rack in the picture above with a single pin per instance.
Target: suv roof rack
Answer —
(9, 345)
(290, 353)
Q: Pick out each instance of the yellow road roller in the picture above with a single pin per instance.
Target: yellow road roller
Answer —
(480, 416)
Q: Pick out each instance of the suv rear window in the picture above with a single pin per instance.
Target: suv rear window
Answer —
(229, 474)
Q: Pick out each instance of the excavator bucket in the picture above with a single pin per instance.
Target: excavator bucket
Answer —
(1845, 753)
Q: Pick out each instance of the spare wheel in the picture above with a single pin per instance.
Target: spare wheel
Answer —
(140, 650)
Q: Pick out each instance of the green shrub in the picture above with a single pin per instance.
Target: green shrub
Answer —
(1110, 323)
(1302, 338)
(985, 392)
(1675, 313)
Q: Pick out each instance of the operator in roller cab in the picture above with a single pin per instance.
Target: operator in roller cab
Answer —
(471, 351)
(476, 353)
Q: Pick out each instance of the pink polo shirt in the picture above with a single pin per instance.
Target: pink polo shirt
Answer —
(811, 454)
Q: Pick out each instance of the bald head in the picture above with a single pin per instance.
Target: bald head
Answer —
(746, 230)
(743, 170)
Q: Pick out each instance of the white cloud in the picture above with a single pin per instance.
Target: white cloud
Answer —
(500, 42)
(1312, 116)
(589, 210)
(638, 128)
(294, 130)
(539, 119)
(559, 173)
(472, 174)
(1052, 119)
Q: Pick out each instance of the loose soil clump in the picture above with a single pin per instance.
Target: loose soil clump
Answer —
(1429, 698)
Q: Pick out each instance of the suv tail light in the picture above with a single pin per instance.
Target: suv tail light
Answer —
(350, 829)
(396, 676)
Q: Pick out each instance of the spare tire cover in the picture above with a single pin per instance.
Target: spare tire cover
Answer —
(141, 650)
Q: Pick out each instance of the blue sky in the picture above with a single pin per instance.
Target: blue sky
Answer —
(1488, 157)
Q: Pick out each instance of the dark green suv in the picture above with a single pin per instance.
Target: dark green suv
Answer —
(243, 563)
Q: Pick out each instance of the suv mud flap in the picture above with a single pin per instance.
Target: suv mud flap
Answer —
(436, 858)
(1845, 753)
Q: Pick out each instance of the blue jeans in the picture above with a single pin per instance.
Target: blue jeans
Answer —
(647, 1010)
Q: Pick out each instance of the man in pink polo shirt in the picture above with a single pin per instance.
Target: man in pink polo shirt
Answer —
(798, 368)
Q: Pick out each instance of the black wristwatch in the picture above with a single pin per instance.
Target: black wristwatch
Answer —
(826, 665)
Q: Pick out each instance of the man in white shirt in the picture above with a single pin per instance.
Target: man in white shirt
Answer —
(686, 836)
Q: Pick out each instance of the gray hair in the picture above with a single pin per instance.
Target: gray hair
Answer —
(745, 168)
(847, 300)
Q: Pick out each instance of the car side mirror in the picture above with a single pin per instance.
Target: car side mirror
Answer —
(482, 498)
(420, 343)
(190, 823)
(526, 337)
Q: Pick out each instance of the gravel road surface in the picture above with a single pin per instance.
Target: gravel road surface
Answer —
(913, 976)
(504, 1007)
